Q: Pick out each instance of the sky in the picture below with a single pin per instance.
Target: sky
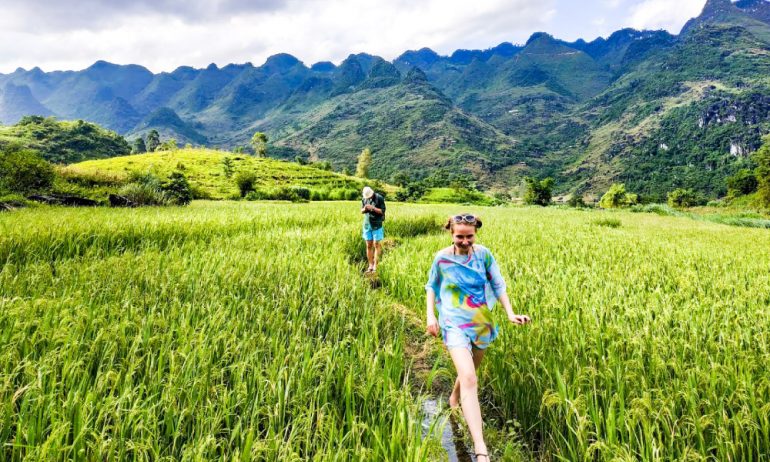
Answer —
(165, 34)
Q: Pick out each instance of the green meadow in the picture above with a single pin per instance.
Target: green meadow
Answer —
(245, 331)
(204, 168)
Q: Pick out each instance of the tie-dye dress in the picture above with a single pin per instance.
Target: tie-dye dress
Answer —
(466, 288)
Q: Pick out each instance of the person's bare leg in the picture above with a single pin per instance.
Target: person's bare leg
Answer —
(377, 254)
(370, 254)
(454, 398)
(469, 397)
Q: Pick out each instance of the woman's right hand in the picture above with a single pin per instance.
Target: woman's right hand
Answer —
(432, 327)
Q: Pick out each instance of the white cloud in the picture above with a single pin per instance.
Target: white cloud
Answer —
(664, 14)
(312, 30)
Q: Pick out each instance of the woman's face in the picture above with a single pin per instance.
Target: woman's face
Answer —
(463, 235)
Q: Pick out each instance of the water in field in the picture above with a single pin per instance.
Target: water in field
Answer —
(451, 439)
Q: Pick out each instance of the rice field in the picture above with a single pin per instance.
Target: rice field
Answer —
(244, 331)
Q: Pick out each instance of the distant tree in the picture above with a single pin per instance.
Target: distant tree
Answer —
(681, 198)
(762, 172)
(617, 196)
(300, 160)
(239, 150)
(24, 171)
(576, 200)
(411, 192)
(401, 178)
(168, 145)
(246, 182)
(228, 168)
(364, 162)
(259, 143)
(538, 192)
(153, 140)
(743, 182)
(138, 146)
(322, 165)
(177, 189)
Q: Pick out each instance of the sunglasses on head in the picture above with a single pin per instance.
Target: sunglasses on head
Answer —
(470, 219)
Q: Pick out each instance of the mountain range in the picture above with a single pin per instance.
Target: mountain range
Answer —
(653, 110)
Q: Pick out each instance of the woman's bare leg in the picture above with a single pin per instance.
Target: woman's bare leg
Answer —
(454, 398)
(469, 397)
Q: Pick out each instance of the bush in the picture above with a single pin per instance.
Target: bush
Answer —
(23, 171)
(742, 183)
(617, 197)
(681, 198)
(246, 182)
(144, 194)
(576, 200)
(538, 192)
(412, 192)
(762, 172)
(177, 189)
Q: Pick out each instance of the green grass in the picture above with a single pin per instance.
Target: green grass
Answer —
(241, 331)
(204, 170)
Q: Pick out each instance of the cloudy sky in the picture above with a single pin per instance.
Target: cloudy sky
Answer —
(164, 34)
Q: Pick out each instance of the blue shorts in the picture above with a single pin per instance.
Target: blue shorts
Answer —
(455, 337)
(374, 234)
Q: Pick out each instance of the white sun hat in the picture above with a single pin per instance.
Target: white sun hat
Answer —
(368, 192)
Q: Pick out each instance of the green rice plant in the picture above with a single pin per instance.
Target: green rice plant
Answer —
(207, 333)
(241, 331)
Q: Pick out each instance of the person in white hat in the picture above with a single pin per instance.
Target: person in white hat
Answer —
(373, 209)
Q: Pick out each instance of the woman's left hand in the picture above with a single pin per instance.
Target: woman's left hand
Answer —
(519, 319)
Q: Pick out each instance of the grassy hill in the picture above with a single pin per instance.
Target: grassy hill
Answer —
(204, 170)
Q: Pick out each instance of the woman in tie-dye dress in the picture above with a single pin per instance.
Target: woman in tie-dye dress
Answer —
(463, 285)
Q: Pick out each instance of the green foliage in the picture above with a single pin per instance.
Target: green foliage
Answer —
(681, 198)
(538, 192)
(153, 140)
(228, 168)
(64, 142)
(742, 183)
(177, 189)
(411, 192)
(259, 144)
(762, 172)
(364, 163)
(324, 165)
(138, 147)
(24, 171)
(246, 181)
(168, 145)
(617, 197)
(145, 189)
(401, 179)
(607, 222)
(576, 200)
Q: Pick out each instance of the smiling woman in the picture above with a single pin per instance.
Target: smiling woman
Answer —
(463, 283)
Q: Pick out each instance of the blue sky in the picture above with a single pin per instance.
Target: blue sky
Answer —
(164, 34)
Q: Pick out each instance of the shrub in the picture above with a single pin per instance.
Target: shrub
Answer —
(685, 198)
(742, 183)
(412, 192)
(576, 200)
(177, 189)
(617, 197)
(24, 171)
(246, 182)
(144, 194)
(762, 172)
(538, 192)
